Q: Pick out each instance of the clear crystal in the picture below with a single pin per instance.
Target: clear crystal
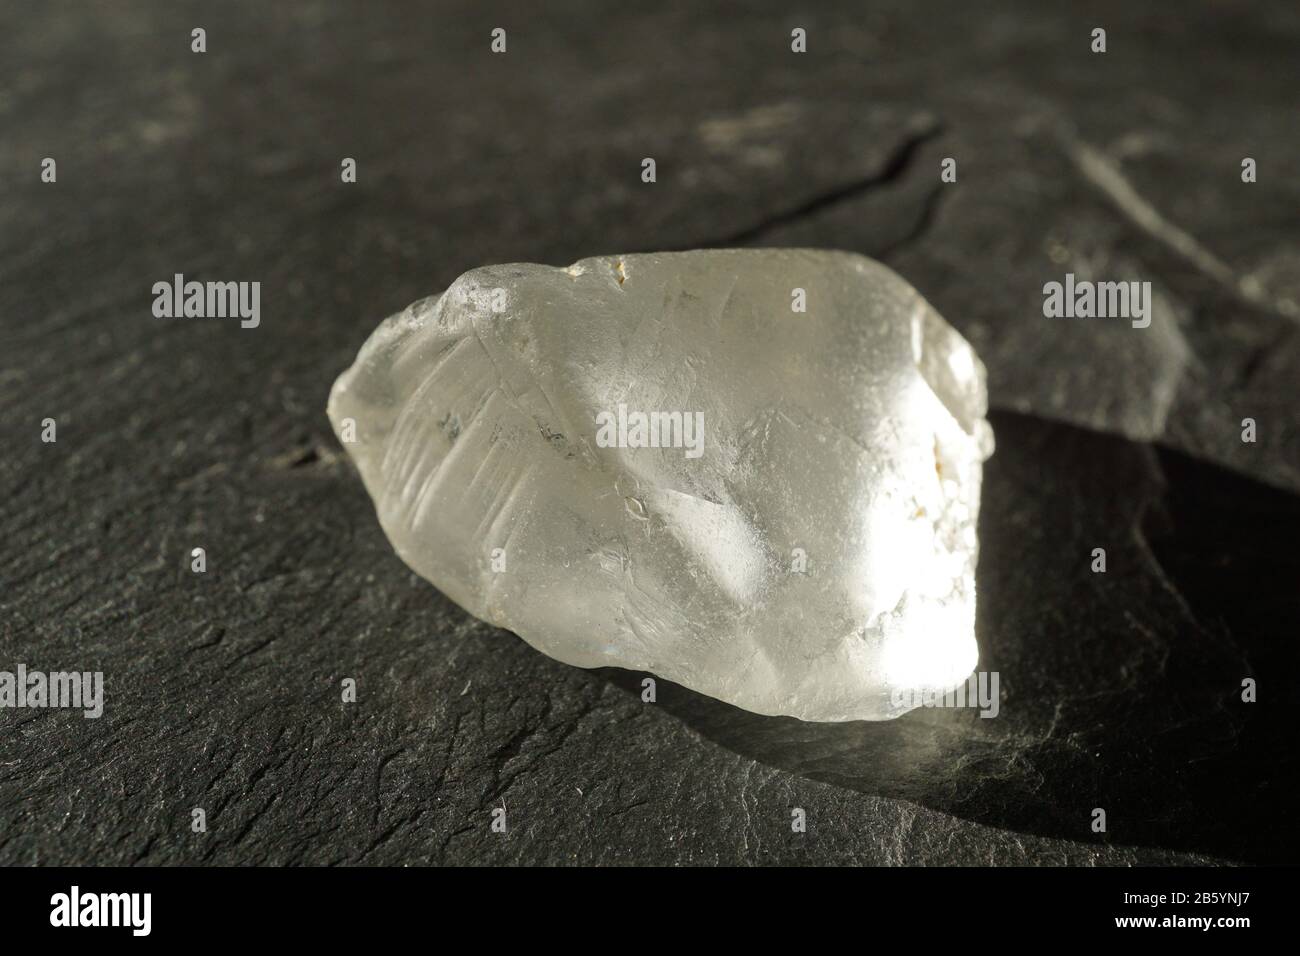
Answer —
(813, 555)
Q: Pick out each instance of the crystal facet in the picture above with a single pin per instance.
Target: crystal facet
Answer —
(752, 472)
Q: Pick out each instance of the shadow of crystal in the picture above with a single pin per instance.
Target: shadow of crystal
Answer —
(1120, 690)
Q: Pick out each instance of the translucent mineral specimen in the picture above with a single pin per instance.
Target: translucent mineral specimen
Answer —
(753, 472)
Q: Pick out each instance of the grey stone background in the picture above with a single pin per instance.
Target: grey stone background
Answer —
(1120, 691)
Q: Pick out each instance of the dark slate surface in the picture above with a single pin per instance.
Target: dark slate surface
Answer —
(1120, 691)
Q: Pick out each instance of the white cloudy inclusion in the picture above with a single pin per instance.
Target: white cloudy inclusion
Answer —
(817, 559)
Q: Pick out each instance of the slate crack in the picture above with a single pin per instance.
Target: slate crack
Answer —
(929, 213)
(896, 165)
(1106, 176)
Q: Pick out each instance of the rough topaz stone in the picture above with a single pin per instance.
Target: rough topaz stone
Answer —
(752, 472)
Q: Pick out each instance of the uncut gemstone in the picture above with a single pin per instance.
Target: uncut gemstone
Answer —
(755, 473)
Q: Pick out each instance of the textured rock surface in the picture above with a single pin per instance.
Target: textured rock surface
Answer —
(1120, 690)
(796, 534)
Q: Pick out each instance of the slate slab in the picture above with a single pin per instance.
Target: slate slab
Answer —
(1120, 691)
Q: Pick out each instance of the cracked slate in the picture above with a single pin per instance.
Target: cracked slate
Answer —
(1120, 690)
